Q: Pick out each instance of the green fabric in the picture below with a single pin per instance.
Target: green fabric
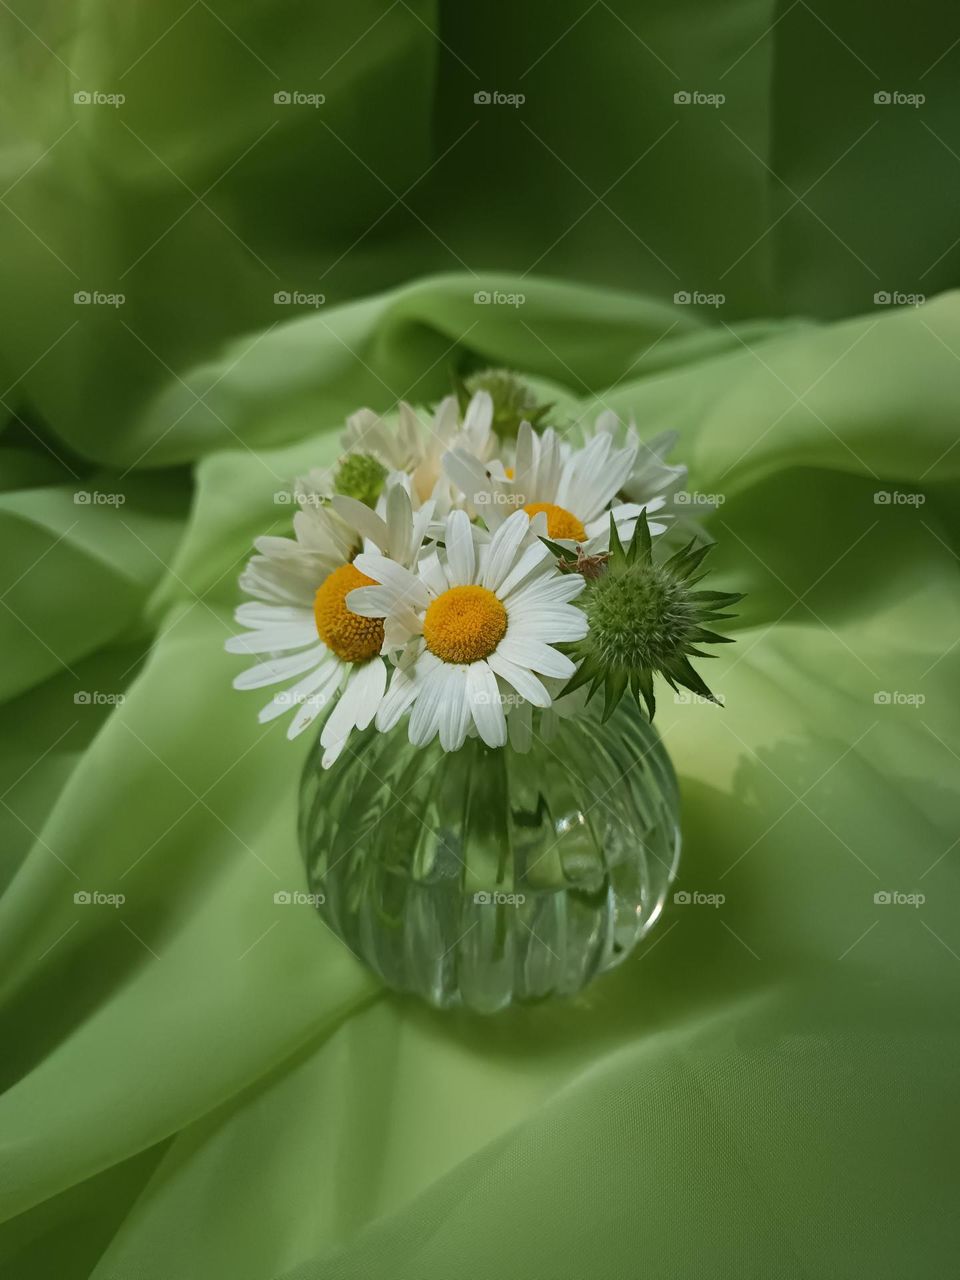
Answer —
(201, 1083)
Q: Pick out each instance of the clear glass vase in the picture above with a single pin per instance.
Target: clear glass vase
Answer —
(483, 877)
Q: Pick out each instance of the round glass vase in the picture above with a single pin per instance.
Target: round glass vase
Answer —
(482, 877)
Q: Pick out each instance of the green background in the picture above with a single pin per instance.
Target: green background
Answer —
(202, 1083)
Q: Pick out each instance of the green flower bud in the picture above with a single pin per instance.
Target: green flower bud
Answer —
(360, 476)
(646, 618)
(513, 401)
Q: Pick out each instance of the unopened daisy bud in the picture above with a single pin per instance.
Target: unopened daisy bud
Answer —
(360, 476)
(645, 618)
(513, 401)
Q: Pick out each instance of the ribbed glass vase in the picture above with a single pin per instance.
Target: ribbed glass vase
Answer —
(483, 877)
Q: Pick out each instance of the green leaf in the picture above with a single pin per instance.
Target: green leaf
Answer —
(642, 684)
(562, 553)
(692, 560)
(586, 671)
(617, 554)
(615, 685)
(641, 545)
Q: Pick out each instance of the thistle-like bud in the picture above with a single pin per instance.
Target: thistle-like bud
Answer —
(645, 617)
(513, 401)
(360, 476)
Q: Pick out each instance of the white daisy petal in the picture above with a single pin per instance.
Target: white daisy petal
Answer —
(273, 640)
(421, 526)
(273, 547)
(403, 689)
(536, 554)
(254, 614)
(549, 467)
(478, 419)
(461, 555)
(525, 461)
(274, 670)
(404, 586)
(370, 683)
(425, 715)
(313, 534)
(467, 473)
(521, 679)
(432, 574)
(486, 707)
(454, 708)
(503, 549)
(536, 655)
(275, 583)
(552, 623)
(370, 602)
(398, 523)
(308, 712)
(409, 427)
(556, 589)
(366, 521)
(357, 707)
(446, 418)
(317, 683)
(271, 592)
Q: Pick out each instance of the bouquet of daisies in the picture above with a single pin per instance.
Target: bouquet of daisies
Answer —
(476, 571)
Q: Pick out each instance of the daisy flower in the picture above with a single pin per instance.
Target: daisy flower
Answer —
(483, 615)
(299, 623)
(653, 477)
(575, 491)
(415, 447)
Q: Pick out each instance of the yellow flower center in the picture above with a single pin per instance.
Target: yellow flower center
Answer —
(508, 472)
(561, 523)
(350, 637)
(464, 624)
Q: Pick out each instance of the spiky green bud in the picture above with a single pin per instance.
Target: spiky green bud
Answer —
(513, 401)
(360, 476)
(646, 618)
